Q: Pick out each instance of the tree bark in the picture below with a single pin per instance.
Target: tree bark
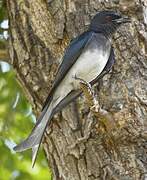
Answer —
(77, 146)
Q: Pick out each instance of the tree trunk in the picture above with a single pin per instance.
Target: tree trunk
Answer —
(77, 146)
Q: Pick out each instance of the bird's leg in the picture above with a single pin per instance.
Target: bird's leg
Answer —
(89, 93)
(87, 84)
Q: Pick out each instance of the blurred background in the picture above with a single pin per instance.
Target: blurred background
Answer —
(16, 118)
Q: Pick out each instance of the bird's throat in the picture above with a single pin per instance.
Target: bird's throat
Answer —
(107, 30)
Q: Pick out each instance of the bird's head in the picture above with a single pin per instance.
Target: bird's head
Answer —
(107, 22)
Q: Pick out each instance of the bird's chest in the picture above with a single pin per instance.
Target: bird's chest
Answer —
(89, 65)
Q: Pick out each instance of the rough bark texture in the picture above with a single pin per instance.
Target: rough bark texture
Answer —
(39, 32)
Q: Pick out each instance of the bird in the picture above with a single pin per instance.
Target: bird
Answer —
(88, 58)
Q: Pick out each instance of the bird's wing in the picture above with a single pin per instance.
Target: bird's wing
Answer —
(71, 55)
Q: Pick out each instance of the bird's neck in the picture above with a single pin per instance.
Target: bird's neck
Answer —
(108, 31)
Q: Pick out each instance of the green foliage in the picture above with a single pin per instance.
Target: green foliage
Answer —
(3, 16)
(16, 120)
(3, 13)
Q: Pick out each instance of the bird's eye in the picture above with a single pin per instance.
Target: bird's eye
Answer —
(108, 18)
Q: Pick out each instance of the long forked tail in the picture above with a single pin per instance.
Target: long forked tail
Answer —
(34, 139)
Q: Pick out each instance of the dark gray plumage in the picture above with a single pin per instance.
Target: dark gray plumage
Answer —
(89, 57)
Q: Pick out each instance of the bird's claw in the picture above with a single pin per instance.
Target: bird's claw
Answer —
(87, 84)
(89, 94)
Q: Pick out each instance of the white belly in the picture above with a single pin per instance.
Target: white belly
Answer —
(87, 67)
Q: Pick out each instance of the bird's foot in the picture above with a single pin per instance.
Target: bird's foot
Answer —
(95, 106)
(85, 83)
(89, 94)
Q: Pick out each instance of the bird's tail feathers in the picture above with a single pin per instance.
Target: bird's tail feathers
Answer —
(35, 150)
(34, 139)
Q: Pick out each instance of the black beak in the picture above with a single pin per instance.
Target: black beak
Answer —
(122, 20)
